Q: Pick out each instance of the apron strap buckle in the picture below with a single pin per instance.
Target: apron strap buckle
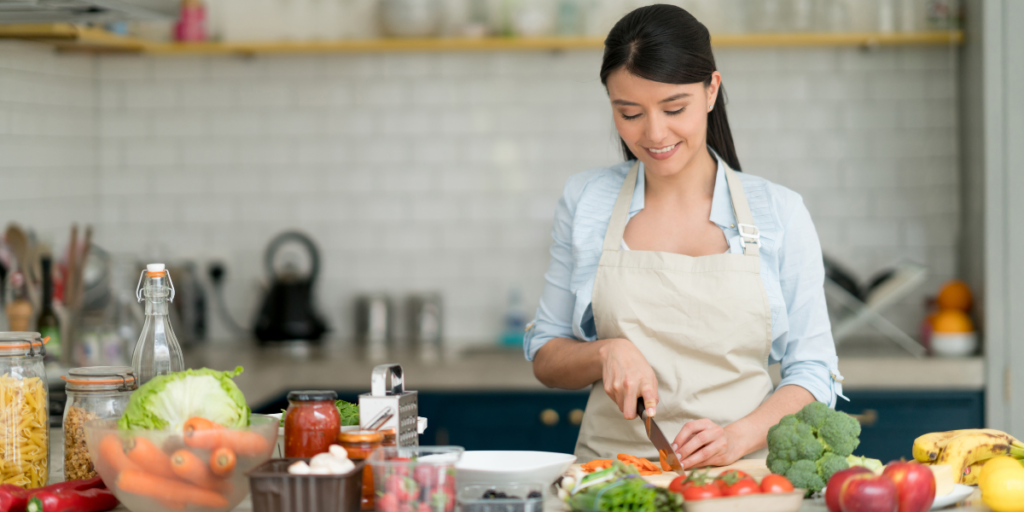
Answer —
(749, 234)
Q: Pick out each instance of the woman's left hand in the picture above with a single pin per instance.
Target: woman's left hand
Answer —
(704, 443)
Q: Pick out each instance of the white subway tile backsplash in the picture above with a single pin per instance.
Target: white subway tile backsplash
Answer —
(441, 171)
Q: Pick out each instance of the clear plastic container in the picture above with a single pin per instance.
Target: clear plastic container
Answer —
(408, 477)
(510, 497)
(94, 393)
(24, 411)
(157, 351)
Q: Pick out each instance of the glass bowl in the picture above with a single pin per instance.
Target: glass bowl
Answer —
(136, 464)
(408, 478)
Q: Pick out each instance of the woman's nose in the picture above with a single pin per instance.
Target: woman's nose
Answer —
(656, 130)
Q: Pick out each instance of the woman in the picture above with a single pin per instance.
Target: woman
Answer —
(674, 277)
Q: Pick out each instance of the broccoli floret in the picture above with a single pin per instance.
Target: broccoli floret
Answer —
(793, 440)
(829, 463)
(815, 414)
(777, 465)
(804, 474)
(841, 433)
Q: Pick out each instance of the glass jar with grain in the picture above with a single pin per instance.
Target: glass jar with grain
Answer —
(24, 411)
(94, 393)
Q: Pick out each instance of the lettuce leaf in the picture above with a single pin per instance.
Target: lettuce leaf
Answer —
(168, 401)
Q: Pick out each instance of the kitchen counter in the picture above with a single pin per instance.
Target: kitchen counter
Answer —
(271, 372)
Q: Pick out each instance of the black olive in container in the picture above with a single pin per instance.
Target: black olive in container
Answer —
(275, 490)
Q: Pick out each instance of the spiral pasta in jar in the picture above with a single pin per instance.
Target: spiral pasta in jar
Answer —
(24, 411)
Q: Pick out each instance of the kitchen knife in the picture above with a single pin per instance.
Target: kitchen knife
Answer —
(657, 438)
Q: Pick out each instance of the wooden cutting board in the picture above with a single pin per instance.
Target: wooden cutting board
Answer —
(754, 467)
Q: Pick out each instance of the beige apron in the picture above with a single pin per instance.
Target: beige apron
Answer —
(703, 323)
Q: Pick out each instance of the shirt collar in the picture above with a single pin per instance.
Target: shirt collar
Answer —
(721, 202)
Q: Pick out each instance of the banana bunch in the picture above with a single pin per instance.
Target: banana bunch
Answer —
(965, 451)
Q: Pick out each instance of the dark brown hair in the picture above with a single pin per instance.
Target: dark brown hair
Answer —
(664, 43)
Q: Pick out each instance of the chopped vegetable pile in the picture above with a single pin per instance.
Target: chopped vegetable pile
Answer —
(642, 465)
(810, 446)
(619, 488)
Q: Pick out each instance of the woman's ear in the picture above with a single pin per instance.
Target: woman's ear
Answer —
(712, 89)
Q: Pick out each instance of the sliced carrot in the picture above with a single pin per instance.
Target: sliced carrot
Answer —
(147, 455)
(647, 465)
(664, 462)
(165, 489)
(222, 462)
(192, 469)
(112, 451)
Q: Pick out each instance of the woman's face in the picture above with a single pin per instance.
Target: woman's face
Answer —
(664, 125)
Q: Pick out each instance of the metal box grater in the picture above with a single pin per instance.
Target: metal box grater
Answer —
(398, 406)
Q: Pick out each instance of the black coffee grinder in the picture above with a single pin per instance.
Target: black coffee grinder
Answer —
(288, 313)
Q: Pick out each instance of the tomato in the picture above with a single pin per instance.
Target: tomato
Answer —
(730, 477)
(678, 484)
(701, 492)
(742, 488)
(776, 484)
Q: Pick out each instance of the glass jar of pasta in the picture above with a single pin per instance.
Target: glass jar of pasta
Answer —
(24, 411)
(94, 393)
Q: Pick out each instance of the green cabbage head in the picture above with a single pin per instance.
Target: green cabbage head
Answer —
(168, 400)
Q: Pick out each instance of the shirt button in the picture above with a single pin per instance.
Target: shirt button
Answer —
(732, 225)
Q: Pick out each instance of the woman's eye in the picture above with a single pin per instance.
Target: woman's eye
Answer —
(630, 118)
(674, 112)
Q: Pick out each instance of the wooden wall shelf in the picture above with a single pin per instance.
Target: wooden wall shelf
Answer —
(67, 37)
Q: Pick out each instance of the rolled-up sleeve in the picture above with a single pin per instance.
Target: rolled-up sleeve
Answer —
(809, 357)
(554, 315)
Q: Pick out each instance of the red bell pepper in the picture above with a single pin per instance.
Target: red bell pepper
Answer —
(89, 500)
(15, 499)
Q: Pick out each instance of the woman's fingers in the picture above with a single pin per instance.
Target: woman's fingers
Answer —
(688, 430)
(627, 403)
(650, 394)
(706, 455)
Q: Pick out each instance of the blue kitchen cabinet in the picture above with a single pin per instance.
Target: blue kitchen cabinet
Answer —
(548, 420)
(893, 419)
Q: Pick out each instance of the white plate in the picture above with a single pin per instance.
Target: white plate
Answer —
(499, 467)
(960, 492)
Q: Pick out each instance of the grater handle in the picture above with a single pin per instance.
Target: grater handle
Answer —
(379, 378)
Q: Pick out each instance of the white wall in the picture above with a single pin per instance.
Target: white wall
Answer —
(442, 171)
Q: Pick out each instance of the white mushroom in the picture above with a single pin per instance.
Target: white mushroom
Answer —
(299, 468)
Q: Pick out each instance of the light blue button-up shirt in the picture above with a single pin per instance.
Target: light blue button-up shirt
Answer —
(791, 268)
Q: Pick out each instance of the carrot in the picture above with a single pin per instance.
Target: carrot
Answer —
(148, 455)
(242, 442)
(166, 490)
(192, 469)
(597, 465)
(222, 462)
(664, 462)
(112, 451)
(199, 423)
(647, 465)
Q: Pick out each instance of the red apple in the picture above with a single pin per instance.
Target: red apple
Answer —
(915, 485)
(836, 483)
(868, 493)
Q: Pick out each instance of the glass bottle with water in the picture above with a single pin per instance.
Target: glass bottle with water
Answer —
(157, 351)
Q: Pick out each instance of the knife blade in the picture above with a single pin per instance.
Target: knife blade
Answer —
(658, 438)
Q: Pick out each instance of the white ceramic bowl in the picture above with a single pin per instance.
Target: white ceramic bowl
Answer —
(498, 467)
(954, 344)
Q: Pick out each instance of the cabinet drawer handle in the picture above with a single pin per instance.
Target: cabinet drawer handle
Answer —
(549, 417)
(868, 418)
(576, 417)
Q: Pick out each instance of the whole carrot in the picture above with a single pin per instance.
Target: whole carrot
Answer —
(166, 490)
(191, 468)
(199, 423)
(245, 443)
(222, 462)
(150, 456)
(112, 452)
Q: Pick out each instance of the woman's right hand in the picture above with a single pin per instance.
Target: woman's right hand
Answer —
(627, 376)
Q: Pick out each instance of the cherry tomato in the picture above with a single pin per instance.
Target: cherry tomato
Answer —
(701, 492)
(678, 484)
(776, 484)
(742, 488)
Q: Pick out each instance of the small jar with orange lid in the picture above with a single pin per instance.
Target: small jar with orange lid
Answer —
(94, 393)
(360, 444)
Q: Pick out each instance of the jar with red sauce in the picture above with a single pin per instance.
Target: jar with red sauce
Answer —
(311, 424)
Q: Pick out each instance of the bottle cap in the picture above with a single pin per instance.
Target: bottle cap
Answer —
(155, 267)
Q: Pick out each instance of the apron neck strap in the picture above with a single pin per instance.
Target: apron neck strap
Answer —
(620, 214)
(750, 237)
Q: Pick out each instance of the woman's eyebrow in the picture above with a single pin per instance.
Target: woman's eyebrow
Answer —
(666, 100)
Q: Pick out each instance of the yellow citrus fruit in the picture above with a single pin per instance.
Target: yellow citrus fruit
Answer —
(995, 464)
(952, 320)
(955, 294)
(1003, 491)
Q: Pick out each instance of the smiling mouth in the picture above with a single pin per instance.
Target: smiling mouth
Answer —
(665, 149)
